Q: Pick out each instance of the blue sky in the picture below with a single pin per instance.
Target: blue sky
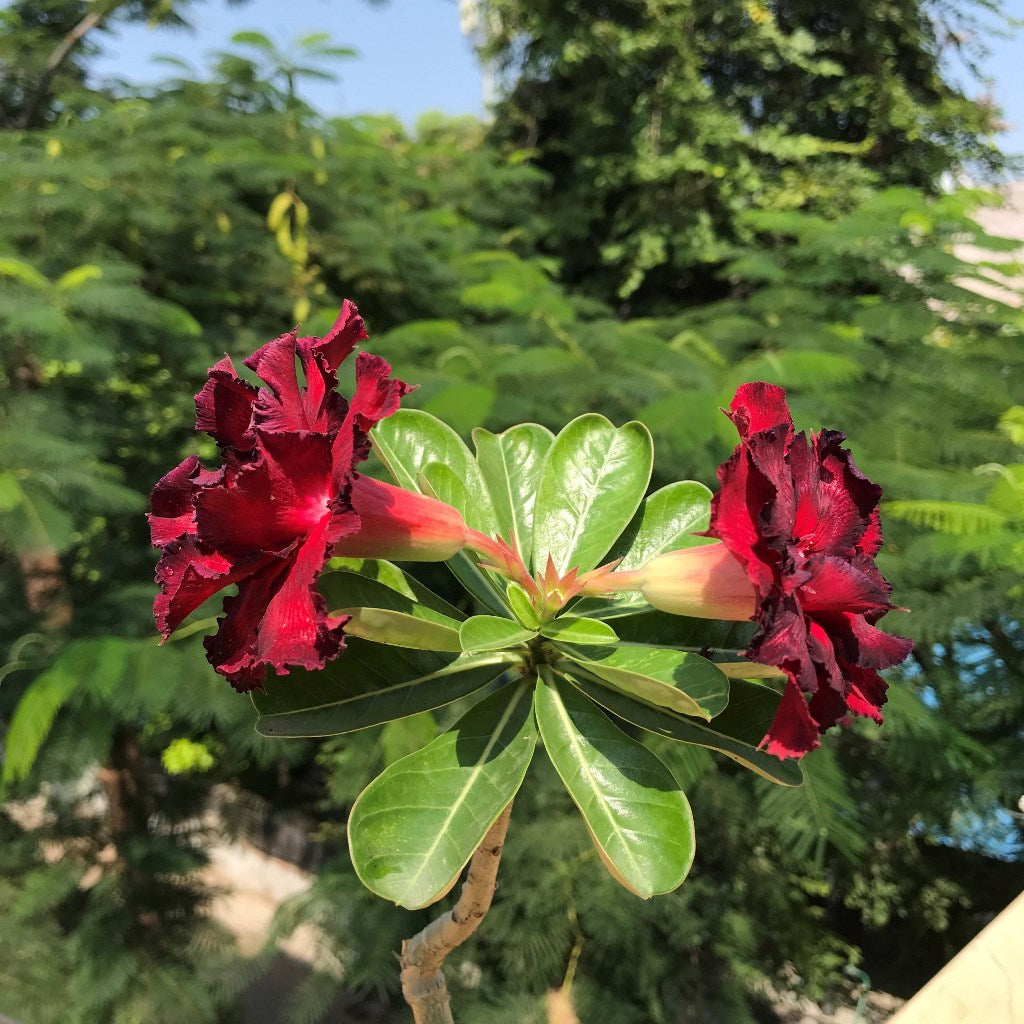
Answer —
(413, 56)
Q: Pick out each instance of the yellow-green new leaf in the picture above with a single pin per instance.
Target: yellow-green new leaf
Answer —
(492, 633)
(399, 630)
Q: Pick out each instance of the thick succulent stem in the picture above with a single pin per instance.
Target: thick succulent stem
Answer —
(423, 955)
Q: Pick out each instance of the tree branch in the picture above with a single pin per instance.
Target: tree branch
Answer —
(424, 954)
(54, 62)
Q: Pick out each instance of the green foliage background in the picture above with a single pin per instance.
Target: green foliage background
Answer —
(650, 220)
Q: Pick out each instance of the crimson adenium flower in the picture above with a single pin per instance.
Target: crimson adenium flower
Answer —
(285, 498)
(799, 529)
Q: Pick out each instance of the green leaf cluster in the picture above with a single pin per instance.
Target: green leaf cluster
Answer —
(413, 828)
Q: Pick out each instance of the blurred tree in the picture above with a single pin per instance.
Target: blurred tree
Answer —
(175, 223)
(44, 45)
(661, 121)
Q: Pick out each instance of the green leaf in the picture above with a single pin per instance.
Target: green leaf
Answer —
(521, 605)
(492, 633)
(251, 38)
(368, 685)
(78, 276)
(33, 718)
(411, 440)
(23, 272)
(477, 582)
(399, 630)
(414, 828)
(670, 678)
(729, 737)
(511, 465)
(573, 629)
(667, 521)
(396, 579)
(647, 626)
(593, 480)
(405, 736)
(10, 492)
(638, 817)
(442, 482)
(386, 616)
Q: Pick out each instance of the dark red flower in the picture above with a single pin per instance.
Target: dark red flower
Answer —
(803, 522)
(281, 502)
(799, 529)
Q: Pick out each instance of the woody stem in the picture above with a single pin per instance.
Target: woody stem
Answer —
(423, 955)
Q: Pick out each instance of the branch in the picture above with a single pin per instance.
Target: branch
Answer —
(424, 954)
(55, 60)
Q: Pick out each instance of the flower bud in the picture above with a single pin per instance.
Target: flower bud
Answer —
(401, 525)
(705, 582)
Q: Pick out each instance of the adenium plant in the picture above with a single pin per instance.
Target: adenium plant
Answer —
(744, 621)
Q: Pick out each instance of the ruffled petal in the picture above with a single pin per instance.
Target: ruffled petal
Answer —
(173, 514)
(838, 585)
(782, 641)
(337, 344)
(735, 507)
(793, 731)
(377, 396)
(278, 619)
(828, 708)
(224, 407)
(835, 501)
(187, 577)
(860, 643)
(871, 542)
(867, 692)
(271, 503)
(760, 406)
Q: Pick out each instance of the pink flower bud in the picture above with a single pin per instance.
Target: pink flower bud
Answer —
(401, 525)
(703, 582)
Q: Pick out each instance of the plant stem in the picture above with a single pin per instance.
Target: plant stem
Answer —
(56, 59)
(423, 955)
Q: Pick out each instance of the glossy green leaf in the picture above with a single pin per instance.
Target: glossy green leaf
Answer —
(679, 680)
(521, 605)
(478, 583)
(592, 482)
(666, 521)
(511, 465)
(572, 629)
(492, 633)
(749, 670)
(368, 685)
(733, 736)
(399, 630)
(411, 440)
(413, 829)
(386, 616)
(391, 576)
(405, 736)
(647, 626)
(638, 817)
